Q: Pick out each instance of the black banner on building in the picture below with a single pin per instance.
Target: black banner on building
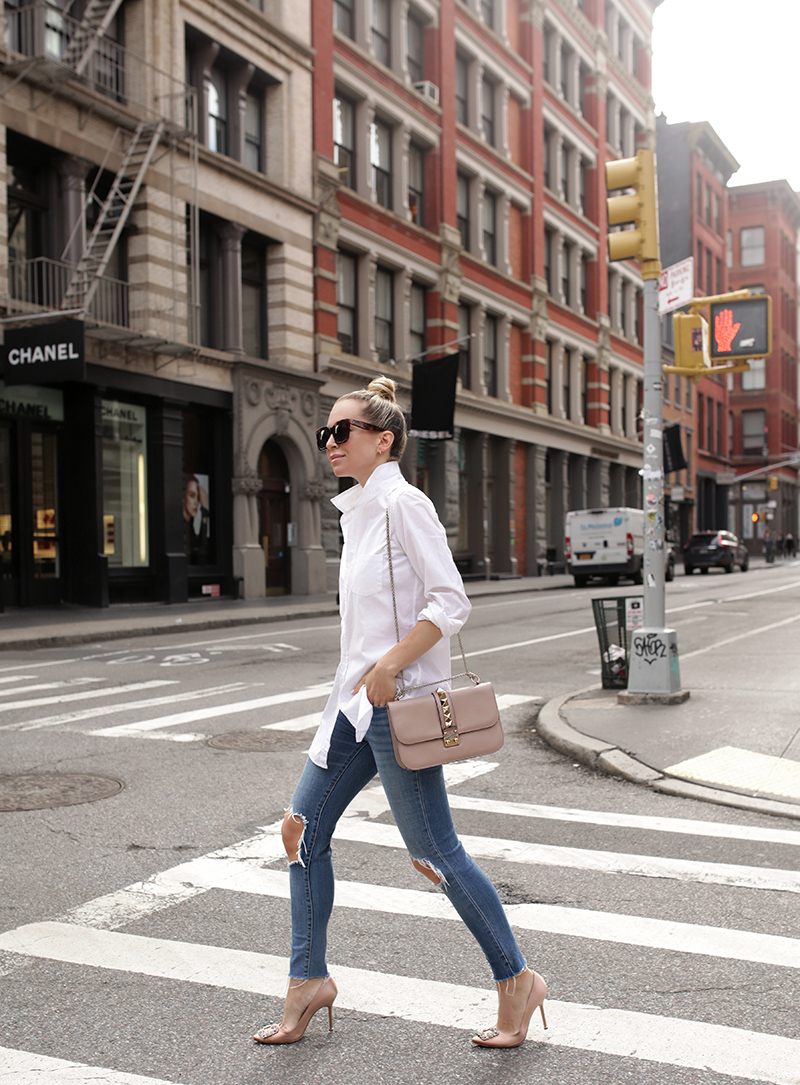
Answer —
(44, 354)
(433, 399)
(674, 459)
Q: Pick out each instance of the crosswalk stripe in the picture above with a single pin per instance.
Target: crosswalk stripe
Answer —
(27, 1068)
(97, 711)
(179, 718)
(238, 876)
(65, 683)
(84, 695)
(672, 1041)
(299, 723)
(601, 862)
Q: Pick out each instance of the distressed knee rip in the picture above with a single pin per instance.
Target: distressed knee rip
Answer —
(426, 867)
(292, 832)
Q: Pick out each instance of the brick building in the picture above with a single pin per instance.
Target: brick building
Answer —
(694, 167)
(460, 151)
(157, 199)
(764, 228)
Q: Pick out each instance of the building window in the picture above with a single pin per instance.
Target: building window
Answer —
(490, 355)
(549, 245)
(566, 63)
(487, 11)
(344, 17)
(125, 483)
(547, 43)
(462, 208)
(384, 314)
(584, 391)
(754, 379)
(347, 299)
(254, 298)
(729, 249)
(380, 141)
(462, 89)
(566, 383)
(550, 346)
(582, 168)
(566, 285)
(415, 37)
(753, 433)
(490, 227)
(217, 133)
(464, 344)
(665, 383)
(698, 271)
(709, 271)
(718, 275)
(381, 31)
(417, 322)
(416, 184)
(751, 239)
(488, 111)
(584, 264)
(343, 140)
(548, 157)
(253, 132)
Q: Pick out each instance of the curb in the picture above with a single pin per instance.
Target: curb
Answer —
(604, 757)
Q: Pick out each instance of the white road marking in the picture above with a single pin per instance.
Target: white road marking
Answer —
(299, 723)
(179, 718)
(64, 684)
(27, 1068)
(741, 636)
(597, 861)
(17, 678)
(110, 691)
(711, 1048)
(150, 702)
(250, 876)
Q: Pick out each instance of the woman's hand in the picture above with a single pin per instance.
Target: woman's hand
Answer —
(380, 684)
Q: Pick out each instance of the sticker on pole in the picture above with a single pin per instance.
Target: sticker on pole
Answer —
(676, 286)
(634, 613)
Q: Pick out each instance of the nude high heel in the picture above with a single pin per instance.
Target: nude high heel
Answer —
(492, 1037)
(277, 1034)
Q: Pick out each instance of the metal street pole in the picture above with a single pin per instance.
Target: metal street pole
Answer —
(654, 671)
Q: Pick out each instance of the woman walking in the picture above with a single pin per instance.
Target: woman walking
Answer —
(364, 439)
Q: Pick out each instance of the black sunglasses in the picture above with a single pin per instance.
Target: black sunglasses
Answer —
(341, 431)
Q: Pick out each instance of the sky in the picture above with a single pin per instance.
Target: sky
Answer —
(735, 64)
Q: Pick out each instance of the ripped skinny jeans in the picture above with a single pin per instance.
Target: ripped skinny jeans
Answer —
(418, 802)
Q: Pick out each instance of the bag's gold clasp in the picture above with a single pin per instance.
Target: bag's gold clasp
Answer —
(449, 729)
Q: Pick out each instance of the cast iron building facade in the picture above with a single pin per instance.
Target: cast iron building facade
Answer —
(459, 155)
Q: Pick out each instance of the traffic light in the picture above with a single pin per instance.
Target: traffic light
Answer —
(773, 482)
(755, 517)
(741, 329)
(690, 335)
(639, 207)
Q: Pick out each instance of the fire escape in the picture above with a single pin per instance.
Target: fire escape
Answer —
(60, 55)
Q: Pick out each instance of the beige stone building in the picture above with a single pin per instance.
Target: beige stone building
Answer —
(156, 297)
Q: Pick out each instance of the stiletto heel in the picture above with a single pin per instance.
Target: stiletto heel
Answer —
(493, 1037)
(277, 1034)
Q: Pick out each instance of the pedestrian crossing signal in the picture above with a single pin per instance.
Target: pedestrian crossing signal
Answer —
(741, 329)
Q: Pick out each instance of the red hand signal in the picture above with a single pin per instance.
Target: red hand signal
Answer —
(725, 330)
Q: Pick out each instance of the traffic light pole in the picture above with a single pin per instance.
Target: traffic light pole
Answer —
(653, 670)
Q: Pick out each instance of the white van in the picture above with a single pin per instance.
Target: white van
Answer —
(605, 543)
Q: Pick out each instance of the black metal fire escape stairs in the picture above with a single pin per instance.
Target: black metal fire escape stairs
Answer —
(96, 19)
(113, 215)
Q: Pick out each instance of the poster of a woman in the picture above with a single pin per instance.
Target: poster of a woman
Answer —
(196, 519)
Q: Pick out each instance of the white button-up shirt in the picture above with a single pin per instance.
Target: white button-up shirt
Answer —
(427, 587)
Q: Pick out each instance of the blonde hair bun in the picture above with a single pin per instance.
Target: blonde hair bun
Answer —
(384, 387)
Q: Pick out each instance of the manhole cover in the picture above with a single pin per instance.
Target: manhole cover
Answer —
(42, 790)
(259, 741)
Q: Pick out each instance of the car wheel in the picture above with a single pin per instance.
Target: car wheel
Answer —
(637, 577)
(581, 581)
(612, 580)
(745, 565)
(730, 567)
(704, 570)
(688, 569)
(669, 573)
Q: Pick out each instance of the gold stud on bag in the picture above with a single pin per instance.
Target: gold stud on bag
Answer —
(446, 725)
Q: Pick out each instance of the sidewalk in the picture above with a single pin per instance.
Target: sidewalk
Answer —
(55, 627)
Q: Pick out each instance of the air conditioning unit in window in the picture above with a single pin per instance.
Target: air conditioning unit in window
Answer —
(428, 90)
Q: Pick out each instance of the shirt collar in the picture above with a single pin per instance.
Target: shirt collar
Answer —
(382, 479)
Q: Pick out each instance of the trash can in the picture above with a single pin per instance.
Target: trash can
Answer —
(615, 618)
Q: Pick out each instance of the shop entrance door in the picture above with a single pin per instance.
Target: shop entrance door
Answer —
(274, 511)
(30, 544)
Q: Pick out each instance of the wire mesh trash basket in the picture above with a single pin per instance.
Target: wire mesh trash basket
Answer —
(615, 618)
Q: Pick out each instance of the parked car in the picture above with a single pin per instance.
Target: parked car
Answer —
(669, 559)
(715, 549)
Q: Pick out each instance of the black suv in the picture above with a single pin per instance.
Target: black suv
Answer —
(715, 549)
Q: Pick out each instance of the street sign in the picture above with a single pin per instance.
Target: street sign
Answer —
(676, 286)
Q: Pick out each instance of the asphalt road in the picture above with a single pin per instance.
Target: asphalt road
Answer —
(145, 934)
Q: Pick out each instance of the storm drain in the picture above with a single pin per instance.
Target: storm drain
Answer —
(260, 741)
(43, 790)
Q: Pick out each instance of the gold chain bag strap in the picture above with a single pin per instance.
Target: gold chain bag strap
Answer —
(448, 724)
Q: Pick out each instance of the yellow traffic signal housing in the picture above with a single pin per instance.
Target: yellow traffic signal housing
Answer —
(773, 482)
(690, 331)
(639, 207)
